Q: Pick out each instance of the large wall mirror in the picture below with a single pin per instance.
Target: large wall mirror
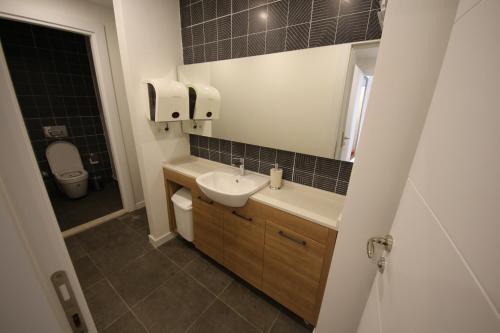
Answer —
(309, 101)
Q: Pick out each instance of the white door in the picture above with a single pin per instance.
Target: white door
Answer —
(443, 274)
(37, 245)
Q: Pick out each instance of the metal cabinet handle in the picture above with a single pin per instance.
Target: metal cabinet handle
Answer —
(298, 241)
(205, 200)
(385, 241)
(242, 217)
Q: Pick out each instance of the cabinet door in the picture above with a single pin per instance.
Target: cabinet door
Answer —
(244, 242)
(292, 269)
(207, 219)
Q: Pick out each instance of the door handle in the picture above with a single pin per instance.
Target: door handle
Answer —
(249, 219)
(387, 241)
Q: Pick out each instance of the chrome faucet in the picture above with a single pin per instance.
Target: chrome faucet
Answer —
(241, 166)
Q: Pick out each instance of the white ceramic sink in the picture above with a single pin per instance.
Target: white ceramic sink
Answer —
(230, 188)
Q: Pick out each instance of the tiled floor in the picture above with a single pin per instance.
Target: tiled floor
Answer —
(73, 212)
(132, 287)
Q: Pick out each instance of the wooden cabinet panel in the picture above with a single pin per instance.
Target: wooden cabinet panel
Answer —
(244, 244)
(292, 269)
(208, 231)
(311, 230)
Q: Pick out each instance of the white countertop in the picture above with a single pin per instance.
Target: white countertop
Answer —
(312, 204)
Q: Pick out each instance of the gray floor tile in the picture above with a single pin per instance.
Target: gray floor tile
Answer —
(175, 305)
(106, 234)
(211, 275)
(287, 322)
(220, 318)
(104, 304)
(87, 272)
(116, 255)
(257, 308)
(75, 248)
(138, 221)
(141, 276)
(179, 251)
(126, 324)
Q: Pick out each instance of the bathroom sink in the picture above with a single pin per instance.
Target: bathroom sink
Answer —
(230, 188)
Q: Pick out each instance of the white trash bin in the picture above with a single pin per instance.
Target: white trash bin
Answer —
(183, 210)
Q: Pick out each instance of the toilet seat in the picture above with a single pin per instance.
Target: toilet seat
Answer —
(71, 176)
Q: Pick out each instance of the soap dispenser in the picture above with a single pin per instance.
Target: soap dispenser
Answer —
(276, 175)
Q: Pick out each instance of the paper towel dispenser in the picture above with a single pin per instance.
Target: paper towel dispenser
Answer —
(168, 100)
(204, 102)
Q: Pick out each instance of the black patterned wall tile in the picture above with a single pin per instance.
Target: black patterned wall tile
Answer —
(238, 149)
(187, 37)
(345, 171)
(327, 167)
(257, 44)
(225, 146)
(199, 53)
(341, 187)
(239, 5)
(257, 19)
(224, 28)
(193, 140)
(188, 55)
(324, 183)
(299, 11)
(285, 159)
(213, 144)
(198, 34)
(354, 6)
(352, 28)
(204, 153)
(209, 9)
(211, 52)
(214, 155)
(240, 24)
(268, 155)
(194, 150)
(277, 15)
(251, 164)
(265, 168)
(197, 13)
(302, 177)
(373, 31)
(297, 37)
(184, 3)
(287, 174)
(275, 40)
(323, 9)
(305, 162)
(256, 3)
(239, 47)
(224, 49)
(225, 158)
(203, 142)
(323, 32)
(185, 17)
(210, 30)
(223, 7)
(252, 151)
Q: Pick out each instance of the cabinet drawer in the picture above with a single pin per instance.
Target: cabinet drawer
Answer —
(309, 229)
(244, 245)
(208, 232)
(292, 269)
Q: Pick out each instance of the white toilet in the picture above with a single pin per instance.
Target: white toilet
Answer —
(66, 165)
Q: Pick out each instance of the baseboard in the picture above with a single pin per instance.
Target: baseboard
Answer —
(156, 242)
(93, 223)
(140, 205)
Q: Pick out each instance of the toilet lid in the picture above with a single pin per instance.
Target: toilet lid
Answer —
(63, 156)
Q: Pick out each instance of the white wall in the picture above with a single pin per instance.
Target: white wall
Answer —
(410, 56)
(443, 273)
(88, 11)
(150, 47)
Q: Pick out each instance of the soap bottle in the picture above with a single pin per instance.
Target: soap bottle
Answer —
(276, 175)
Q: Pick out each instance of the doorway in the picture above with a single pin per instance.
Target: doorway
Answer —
(55, 83)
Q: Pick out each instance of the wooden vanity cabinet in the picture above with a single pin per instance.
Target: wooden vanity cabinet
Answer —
(283, 255)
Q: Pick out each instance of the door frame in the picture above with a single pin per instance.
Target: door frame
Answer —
(102, 68)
